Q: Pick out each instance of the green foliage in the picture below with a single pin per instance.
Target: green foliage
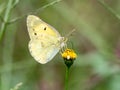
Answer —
(96, 41)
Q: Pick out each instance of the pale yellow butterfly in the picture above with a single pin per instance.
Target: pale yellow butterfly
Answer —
(45, 41)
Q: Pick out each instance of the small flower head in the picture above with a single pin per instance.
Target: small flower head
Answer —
(69, 56)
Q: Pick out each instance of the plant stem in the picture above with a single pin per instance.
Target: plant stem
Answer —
(109, 9)
(7, 49)
(66, 78)
(6, 18)
(35, 11)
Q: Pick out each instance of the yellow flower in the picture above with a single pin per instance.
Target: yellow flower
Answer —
(69, 54)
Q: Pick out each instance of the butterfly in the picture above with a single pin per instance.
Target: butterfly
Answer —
(45, 41)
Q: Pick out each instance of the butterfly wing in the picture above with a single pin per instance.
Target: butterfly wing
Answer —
(42, 54)
(36, 26)
(44, 39)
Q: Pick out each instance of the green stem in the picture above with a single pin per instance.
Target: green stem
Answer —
(6, 76)
(109, 9)
(6, 18)
(35, 11)
(66, 78)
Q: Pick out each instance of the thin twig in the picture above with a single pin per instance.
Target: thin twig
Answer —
(35, 11)
(109, 8)
(47, 5)
(6, 18)
(5, 76)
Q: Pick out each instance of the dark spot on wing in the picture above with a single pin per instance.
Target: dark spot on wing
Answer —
(45, 28)
(35, 33)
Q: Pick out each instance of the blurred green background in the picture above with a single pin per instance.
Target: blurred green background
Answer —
(96, 42)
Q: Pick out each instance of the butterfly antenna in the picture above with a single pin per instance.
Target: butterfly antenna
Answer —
(70, 33)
